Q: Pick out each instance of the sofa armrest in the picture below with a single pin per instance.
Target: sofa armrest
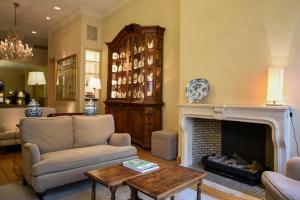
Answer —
(293, 168)
(33, 152)
(280, 187)
(120, 139)
(30, 156)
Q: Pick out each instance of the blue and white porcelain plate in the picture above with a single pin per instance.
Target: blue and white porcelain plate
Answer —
(196, 90)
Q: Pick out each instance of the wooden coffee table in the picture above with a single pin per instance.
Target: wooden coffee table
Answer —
(165, 183)
(111, 177)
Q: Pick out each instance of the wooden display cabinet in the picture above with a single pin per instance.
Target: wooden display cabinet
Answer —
(134, 87)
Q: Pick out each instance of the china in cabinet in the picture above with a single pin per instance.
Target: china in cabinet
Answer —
(134, 87)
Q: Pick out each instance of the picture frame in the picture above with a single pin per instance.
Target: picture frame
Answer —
(66, 78)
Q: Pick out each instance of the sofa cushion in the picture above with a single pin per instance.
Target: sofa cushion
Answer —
(49, 134)
(80, 157)
(10, 117)
(7, 135)
(92, 130)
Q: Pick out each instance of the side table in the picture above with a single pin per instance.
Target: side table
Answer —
(164, 183)
(111, 177)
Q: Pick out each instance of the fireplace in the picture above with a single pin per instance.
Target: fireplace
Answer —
(271, 121)
(238, 150)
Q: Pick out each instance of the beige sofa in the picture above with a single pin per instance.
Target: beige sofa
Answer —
(280, 187)
(59, 150)
(9, 118)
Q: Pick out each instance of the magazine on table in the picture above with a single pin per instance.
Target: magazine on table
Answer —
(140, 165)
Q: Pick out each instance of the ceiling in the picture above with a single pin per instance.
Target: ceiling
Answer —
(31, 15)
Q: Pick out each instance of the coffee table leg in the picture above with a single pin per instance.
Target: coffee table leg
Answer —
(93, 196)
(199, 190)
(113, 192)
(133, 193)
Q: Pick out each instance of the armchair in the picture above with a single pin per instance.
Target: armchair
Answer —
(280, 187)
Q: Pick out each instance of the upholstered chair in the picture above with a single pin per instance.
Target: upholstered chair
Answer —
(280, 187)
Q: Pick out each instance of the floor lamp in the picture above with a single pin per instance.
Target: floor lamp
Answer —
(36, 78)
(94, 83)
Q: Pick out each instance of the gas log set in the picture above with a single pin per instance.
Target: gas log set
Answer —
(234, 167)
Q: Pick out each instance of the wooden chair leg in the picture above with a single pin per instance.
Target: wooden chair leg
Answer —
(134, 195)
(40, 195)
(93, 196)
(24, 181)
(199, 190)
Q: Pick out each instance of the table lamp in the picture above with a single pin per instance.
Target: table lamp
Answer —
(275, 85)
(36, 78)
(93, 83)
(33, 109)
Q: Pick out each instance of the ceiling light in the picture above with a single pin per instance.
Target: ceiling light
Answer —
(48, 18)
(33, 32)
(56, 8)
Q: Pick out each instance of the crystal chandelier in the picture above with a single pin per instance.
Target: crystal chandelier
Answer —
(12, 48)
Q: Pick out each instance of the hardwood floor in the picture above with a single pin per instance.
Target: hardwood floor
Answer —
(10, 165)
(11, 171)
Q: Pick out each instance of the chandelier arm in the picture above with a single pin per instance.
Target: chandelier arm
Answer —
(16, 5)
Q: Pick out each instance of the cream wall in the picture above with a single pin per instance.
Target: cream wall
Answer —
(232, 43)
(224, 42)
(155, 12)
(96, 21)
(65, 39)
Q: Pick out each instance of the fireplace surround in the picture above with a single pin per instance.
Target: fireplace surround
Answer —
(276, 117)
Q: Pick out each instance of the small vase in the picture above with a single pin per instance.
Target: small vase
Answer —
(90, 108)
(33, 109)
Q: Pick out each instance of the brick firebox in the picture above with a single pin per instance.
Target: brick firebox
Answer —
(209, 138)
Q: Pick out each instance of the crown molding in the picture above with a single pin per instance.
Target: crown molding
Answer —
(63, 22)
(88, 13)
(115, 8)
(70, 17)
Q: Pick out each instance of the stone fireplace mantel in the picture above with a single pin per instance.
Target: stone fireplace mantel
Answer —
(277, 117)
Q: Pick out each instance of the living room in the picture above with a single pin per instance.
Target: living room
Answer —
(207, 75)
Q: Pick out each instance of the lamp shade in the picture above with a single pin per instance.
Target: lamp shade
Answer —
(94, 83)
(275, 85)
(36, 78)
(21, 94)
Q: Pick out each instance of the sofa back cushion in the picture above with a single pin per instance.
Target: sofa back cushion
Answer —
(92, 130)
(10, 117)
(49, 134)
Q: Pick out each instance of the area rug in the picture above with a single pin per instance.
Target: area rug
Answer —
(81, 191)
(230, 186)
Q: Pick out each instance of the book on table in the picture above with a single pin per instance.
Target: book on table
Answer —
(140, 165)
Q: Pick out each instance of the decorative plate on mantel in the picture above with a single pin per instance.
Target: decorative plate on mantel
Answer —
(196, 89)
